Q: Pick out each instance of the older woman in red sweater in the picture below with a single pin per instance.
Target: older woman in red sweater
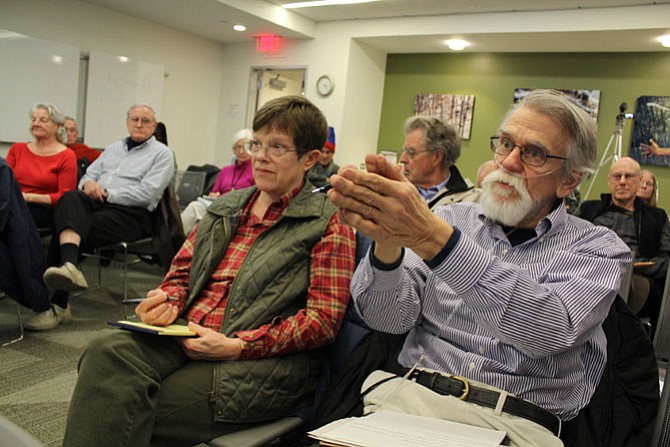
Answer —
(45, 168)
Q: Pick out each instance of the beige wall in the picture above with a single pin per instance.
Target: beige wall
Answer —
(195, 65)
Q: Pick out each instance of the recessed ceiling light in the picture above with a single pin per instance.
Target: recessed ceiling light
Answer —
(456, 44)
(665, 40)
(323, 3)
(239, 28)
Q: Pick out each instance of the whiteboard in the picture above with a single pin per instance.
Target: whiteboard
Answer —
(34, 70)
(114, 84)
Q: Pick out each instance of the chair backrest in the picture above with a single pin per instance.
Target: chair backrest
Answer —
(167, 232)
(661, 436)
(622, 410)
(626, 278)
(211, 173)
(191, 186)
(662, 334)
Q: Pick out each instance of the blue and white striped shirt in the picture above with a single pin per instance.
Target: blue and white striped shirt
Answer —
(526, 319)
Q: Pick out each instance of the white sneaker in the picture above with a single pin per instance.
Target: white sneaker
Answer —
(66, 277)
(42, 321)
(64, 315)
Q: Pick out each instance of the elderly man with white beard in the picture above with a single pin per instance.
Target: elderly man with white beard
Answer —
(503, 301)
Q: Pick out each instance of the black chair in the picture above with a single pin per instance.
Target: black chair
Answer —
(257, 436)
(626, 279)
(662, 334)
(211, 174)
(191, 186)
(622, 411)
(661, 436)
(166, 239)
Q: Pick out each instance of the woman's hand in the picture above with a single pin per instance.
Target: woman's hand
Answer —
(211, 345)
(156, 310)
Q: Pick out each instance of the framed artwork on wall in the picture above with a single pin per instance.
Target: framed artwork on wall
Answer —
(454, 109)
(650, 140)
(588, 100)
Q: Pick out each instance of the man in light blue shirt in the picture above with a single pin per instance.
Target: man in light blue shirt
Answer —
(509, 294)
(113, 203)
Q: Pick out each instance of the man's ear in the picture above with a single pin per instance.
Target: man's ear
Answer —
(311, 158)
(568, 185)
(439, 156)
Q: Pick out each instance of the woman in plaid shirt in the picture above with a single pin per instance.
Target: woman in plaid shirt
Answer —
(263, 282)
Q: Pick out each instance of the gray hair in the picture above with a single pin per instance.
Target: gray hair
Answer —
(579, 129)
(438, 135)
(55, 115)
(144, 104)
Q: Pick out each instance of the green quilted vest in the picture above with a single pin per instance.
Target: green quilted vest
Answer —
(272, 281)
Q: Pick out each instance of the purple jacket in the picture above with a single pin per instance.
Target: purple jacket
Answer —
(234, 177)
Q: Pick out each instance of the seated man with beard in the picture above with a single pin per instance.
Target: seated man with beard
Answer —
(505, 299)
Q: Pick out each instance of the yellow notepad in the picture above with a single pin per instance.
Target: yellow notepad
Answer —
(174, 330)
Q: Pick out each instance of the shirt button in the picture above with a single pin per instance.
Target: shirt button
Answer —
(366, 278)
(481, 350)
(472, 366)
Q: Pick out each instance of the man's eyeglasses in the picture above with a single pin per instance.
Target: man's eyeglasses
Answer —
(144, 121)
(411, 153)
(626, 175)
(274, 149)
(530, 155)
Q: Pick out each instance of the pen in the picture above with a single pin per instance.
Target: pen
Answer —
(139, 300)
(324, 188)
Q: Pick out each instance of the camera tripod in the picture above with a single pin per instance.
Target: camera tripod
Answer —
(617, 139)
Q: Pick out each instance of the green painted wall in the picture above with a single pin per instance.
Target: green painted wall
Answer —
(492, 78)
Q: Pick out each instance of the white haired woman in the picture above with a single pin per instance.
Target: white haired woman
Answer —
(45, 167)
(232, 177)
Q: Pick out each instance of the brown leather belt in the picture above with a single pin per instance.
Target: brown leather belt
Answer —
(461, 388)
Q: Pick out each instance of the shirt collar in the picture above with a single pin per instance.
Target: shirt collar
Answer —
(429, 193)
(281, 203)
(554, 221)
(132, 144)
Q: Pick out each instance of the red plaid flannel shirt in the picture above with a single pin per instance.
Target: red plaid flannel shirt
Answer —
(331, 268)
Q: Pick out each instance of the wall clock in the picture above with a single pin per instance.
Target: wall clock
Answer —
(325, 85)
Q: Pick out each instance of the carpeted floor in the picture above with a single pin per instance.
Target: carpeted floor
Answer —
(38, 373)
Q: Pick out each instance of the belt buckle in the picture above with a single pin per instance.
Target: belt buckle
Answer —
(466, 387)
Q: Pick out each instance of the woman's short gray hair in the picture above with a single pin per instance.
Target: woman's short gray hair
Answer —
(439, 136)
(55, 115)
(578, 126)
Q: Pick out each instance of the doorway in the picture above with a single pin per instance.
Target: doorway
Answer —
(267, 83)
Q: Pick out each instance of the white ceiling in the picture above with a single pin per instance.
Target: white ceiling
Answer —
(213, 19)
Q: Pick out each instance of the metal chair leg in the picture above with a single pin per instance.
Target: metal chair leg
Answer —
(125, 269)
(20, 337)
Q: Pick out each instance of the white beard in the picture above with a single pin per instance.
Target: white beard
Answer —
(505, 206)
